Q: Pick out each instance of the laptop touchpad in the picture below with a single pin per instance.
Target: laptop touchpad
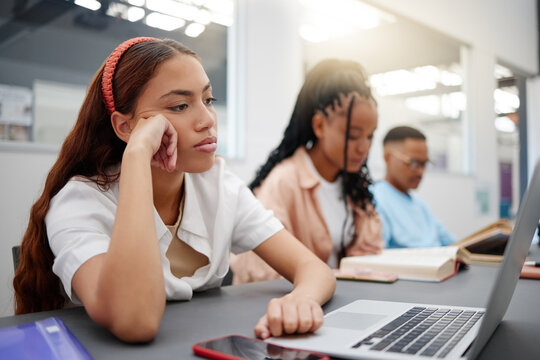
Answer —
(349, 320)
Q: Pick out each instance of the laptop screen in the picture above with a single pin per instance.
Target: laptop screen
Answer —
(514, 257)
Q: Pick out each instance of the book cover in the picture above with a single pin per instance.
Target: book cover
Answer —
(427, 264)
(47, 339)
(487, 245)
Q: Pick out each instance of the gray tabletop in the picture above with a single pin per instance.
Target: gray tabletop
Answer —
(236, 309)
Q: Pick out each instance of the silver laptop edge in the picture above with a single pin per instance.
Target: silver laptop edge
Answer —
(500, 296)
(514, 257)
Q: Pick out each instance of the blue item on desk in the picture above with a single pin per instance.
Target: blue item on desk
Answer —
(47, 339)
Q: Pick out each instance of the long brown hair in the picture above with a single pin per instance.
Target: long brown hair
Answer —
(89, 150)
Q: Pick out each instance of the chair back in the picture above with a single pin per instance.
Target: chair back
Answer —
(16, 253)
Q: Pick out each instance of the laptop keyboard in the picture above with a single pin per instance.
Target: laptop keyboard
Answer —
(426, 331)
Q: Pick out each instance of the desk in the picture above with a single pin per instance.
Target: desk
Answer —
(235, 310)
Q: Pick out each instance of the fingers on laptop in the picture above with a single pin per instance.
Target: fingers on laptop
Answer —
(289, 315)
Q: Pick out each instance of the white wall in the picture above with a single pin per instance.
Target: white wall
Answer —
(24, 169)
(271, 58)
(506, 28)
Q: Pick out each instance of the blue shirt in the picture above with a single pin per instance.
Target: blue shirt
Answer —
(407, 220)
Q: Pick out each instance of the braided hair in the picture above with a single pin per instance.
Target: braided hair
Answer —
(321, 88)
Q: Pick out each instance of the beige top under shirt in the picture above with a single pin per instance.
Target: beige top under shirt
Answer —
(183, 258)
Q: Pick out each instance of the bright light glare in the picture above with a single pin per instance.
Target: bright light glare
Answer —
(313, 34)
(136, 2)
(135, 13)
(173, 8)
(89, 4)
(453, 104)
(117, 10)
(401, 82)
(164, 22)
(123, 11)
(222, 19)
(194, 29)
(337, 18)
(449, 78)
(505, 101)
(430, 104)
(220, 6)
(502, 72)
(504, 124)
(202, 17)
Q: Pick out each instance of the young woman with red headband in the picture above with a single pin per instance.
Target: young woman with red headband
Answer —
(138, 209)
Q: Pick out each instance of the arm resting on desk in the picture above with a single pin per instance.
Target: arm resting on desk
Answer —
(314, 283)
(123, 289)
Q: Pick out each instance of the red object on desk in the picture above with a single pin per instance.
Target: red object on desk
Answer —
(530, 272)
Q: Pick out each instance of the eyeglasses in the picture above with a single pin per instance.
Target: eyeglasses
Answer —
(414, 164)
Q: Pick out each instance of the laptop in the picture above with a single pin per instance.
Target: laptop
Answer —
(368, 329)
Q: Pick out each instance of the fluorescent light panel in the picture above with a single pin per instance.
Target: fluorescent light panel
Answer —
(338, 18)
(164, 22)
(173, 8)
(194, 29)
(89, 4)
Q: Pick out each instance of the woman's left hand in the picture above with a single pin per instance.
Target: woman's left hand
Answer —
(289, 314)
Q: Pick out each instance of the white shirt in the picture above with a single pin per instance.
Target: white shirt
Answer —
(330, 198)
(220, 215)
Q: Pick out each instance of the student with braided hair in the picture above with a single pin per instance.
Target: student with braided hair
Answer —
(316, 181)
(138, 210)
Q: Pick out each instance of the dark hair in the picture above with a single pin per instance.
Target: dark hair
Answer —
(401, 133)
(89, 150)
(321, 87)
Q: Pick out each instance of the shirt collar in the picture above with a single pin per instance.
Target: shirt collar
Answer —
(308, 179)
(192, 218)
(396, 191)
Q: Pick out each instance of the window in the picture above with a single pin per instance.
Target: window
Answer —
(50, 50)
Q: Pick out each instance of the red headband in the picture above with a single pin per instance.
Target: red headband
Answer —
(110, 67)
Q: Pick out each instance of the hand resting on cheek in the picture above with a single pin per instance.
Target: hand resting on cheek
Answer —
(156, 132)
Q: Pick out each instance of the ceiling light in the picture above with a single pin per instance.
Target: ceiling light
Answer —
(202, 17)
(449, 78)
(164, 22)
(220, 6)
(313, 34)
(136, 2)
(89, 4)
(222, 19)
(135, 13)
(126, 12)
(453, 104)
(173, 8)
(401, 82)
(504, 124)
(194, 29)
(338, 18)
(502, 72)
(506, 101)
(430, 104)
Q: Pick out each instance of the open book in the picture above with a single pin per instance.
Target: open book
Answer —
(487, 244)
(429, 264)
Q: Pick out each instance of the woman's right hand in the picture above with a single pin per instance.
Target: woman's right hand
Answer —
(159, 137)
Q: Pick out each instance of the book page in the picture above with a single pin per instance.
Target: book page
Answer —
(427, 264)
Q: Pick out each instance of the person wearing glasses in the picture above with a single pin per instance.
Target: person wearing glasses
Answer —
(407, 220)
